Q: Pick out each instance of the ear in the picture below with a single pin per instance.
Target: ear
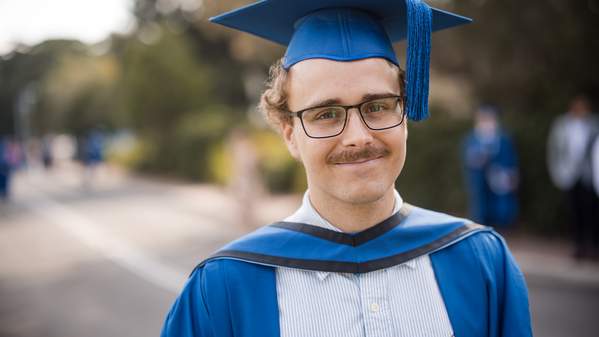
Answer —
(288, 132)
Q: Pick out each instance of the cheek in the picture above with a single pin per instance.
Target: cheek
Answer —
(397, 144)
(401, 160)
(401, 142)
(297, 142)
(403, 155)
(313, 154)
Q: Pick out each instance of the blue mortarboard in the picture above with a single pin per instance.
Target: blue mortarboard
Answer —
(348, 30)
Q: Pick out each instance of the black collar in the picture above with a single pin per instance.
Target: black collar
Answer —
(354, 239)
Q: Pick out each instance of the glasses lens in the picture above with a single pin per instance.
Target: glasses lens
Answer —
(382, 113)
(324, 121)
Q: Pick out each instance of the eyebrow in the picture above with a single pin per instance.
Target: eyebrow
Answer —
(337, 101)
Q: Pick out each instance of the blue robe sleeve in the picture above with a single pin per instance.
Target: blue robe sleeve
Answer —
(509, 314)
(226, 298)
(189, 314)
(202, 309)
(484, 291)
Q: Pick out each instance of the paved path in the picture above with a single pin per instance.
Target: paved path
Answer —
(107, 259)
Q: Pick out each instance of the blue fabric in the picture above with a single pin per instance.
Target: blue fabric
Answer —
(348, 30)
(226, 298)
(490, 166)
(275, 20)
(418, 59)
(483, 289)
(4, 170)
(418, 229)
(344, 34)
(4, 162)
(94, 148)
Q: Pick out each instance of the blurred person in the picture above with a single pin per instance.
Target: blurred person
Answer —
(569, 150)
(491, 170)
(16, 154)
(92, 155)
(11, 159)
(595, 169)
(5, 168)
(595, 165)
(47, 155)
(354, 259)
(245, 182)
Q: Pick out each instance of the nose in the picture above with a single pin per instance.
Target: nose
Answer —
(356, 133)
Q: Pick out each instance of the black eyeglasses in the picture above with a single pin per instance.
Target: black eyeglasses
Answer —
(330, 120)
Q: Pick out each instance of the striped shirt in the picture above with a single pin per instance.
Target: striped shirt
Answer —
(402, 300)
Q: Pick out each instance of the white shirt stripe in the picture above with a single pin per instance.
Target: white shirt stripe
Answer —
(402, 300)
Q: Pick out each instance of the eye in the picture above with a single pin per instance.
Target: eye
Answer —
(327, 114)
(376, 107)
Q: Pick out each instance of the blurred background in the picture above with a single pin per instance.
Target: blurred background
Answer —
(131, 148)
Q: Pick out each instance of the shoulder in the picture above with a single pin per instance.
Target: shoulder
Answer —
(480, 241)
(469, 136)
(469, 140)
(220, 272)
(422, 216)
(477, 241)
(506, 136)
(561, 119)
(595, 122)
(484, 252)
(489, 248)
(217, 282)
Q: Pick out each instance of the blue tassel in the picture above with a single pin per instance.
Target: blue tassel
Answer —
(418, 58)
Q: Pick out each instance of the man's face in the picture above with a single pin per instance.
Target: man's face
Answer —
(486, 123)
(580, 107)
(359, 165)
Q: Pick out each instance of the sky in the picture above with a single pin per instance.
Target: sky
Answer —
(32, 21)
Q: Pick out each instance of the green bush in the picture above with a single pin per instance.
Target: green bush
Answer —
(280, 172)
(432, 176)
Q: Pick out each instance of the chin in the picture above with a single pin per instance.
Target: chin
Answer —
(361, 193)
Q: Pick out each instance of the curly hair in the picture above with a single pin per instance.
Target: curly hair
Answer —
(273, 102)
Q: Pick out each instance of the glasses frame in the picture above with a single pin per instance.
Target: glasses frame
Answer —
(401, 99)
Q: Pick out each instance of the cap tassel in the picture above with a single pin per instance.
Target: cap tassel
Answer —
(418, 58)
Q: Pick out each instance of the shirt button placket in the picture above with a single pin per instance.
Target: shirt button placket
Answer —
(373, 292)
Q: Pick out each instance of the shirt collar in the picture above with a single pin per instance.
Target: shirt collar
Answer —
(411, 264)
(307, 214)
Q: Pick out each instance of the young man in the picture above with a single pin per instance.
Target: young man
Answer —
(354, 260)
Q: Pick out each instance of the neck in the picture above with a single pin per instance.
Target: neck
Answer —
(352, 217)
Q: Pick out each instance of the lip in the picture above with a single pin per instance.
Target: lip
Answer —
(360, 162)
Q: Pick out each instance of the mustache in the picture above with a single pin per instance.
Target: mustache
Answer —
(366, 153)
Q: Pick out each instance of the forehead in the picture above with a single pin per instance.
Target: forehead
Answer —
(315, 80)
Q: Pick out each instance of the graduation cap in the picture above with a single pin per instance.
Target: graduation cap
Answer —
(348, 30)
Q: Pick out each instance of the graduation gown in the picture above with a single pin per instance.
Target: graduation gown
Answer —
(233, 292)
(491, 173)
